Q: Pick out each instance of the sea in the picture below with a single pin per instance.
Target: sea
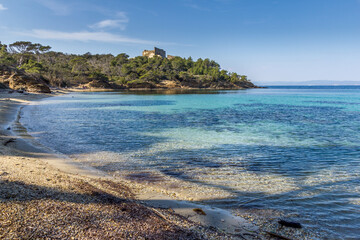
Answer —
(293, 150)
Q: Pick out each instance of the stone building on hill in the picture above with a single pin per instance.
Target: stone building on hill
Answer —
(155, 52)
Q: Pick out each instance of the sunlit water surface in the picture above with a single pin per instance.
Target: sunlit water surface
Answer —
(296, 150)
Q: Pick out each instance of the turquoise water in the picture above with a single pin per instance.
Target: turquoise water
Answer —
(296, 150)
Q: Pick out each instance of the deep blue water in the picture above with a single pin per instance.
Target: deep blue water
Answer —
(294, 149)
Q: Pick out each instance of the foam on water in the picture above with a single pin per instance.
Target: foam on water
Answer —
(292, 150)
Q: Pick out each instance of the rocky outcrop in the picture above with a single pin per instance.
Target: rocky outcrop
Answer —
(98, 84)
(189, 84)
(141, 84)
(19, 80)
(101, 84)
(217, 85)
(194, 83)
(246, 84)
(168, 84)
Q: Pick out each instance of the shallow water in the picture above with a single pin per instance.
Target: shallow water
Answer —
(296, 150)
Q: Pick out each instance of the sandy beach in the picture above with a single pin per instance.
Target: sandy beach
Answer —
(46, 195)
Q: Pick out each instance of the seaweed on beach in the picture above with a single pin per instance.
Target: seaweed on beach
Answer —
(35, 212)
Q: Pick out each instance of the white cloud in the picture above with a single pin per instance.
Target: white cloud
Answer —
(55, 6)
(2, 7)
(120, 22)
(122, 15)
(109, 23)
(84, 36)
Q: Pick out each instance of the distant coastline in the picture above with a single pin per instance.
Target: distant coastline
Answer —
(309, 83)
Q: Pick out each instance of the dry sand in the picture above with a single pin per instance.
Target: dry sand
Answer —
(47, 196)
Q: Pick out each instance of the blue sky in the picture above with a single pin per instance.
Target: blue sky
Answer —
(268, 40)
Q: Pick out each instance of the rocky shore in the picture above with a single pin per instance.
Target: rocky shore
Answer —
(18, 80)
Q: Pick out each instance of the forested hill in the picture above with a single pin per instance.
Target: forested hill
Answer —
(107, 71)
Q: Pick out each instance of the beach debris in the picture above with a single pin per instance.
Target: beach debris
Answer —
(199, 211)
(277, 235)
(289, 224)
(3, 174)
(9, 141)
(9, 128)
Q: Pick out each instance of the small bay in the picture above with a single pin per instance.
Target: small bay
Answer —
(290, 149)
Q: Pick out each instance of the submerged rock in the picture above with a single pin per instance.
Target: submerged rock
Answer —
(2, 86)
(199, 211)
(289, 224)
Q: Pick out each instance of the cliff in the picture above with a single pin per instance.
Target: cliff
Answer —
(18, 80)
(101, 84)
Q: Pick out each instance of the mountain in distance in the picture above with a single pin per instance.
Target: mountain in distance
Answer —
(308, 83)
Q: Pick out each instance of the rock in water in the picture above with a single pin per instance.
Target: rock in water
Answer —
(2, 86)
(199, 211)
(289, 224)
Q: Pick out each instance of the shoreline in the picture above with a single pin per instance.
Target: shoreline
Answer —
(26, 143)
(232, 226)
(19, 149)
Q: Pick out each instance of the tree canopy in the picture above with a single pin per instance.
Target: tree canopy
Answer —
(70, 70)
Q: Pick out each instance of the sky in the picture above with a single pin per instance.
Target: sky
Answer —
(267, 40)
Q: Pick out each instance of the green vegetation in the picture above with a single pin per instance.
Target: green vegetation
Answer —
(69, 70)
